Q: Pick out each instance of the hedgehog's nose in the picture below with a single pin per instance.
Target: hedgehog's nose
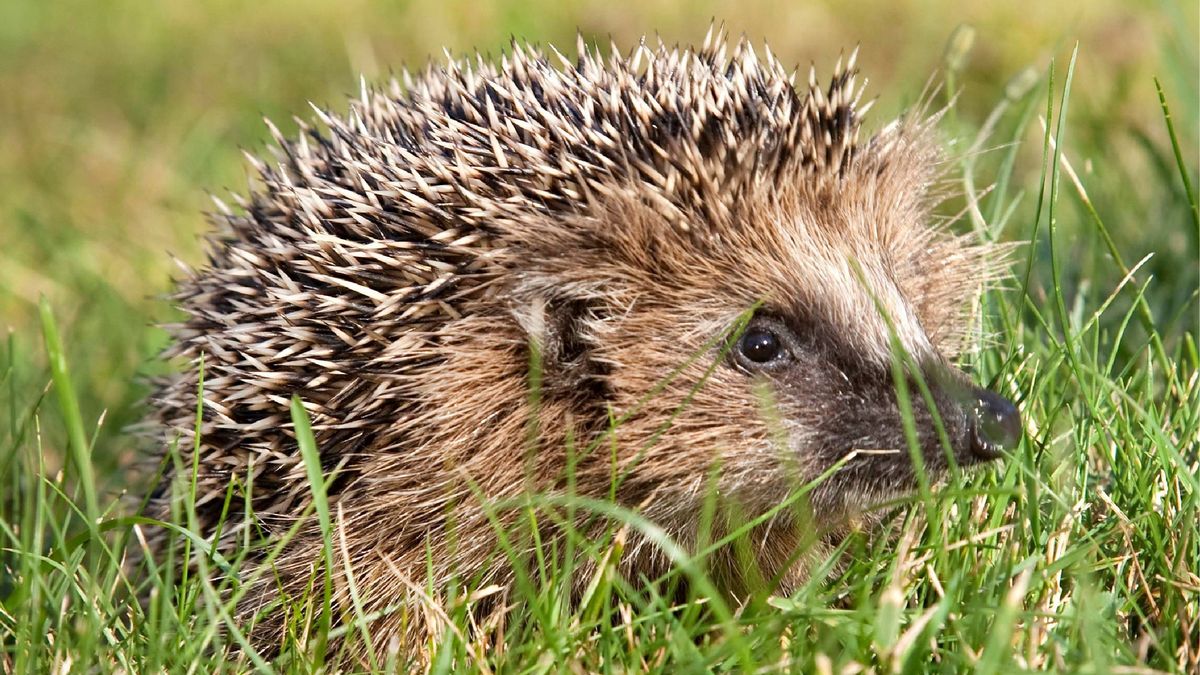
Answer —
(995, 425)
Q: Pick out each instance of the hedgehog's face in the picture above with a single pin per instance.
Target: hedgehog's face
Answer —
(776, 391)
(773, 350)
(831, 403)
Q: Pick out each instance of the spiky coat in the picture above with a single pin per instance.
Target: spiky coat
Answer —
(393, 267)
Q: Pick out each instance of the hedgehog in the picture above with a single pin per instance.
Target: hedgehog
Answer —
(712, 272)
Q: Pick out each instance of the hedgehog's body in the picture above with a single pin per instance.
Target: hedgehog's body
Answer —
(622, 215)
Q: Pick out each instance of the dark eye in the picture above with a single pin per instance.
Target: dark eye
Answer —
(766, 344)
(759, 345)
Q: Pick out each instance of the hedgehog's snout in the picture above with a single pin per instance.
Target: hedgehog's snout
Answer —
(995, 425)
(991, 423)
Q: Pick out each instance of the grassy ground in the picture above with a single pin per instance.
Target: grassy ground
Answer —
(1080, 553)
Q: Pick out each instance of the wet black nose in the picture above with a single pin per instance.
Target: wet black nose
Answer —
(995, 425)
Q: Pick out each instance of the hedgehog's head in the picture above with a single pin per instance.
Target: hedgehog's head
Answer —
(746, 284)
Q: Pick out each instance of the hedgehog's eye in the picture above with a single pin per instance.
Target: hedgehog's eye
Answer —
(763, 345)
(760, 345)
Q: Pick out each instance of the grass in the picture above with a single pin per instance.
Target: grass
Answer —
(1080, 553)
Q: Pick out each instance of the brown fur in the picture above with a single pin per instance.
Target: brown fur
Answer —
(394, 269)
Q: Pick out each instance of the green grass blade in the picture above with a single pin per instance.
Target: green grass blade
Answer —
(1183, 171)
(79, 448)
(316, 482)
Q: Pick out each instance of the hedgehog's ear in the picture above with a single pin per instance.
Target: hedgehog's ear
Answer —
(561, 335)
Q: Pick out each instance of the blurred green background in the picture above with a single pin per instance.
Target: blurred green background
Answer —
(118, 117)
